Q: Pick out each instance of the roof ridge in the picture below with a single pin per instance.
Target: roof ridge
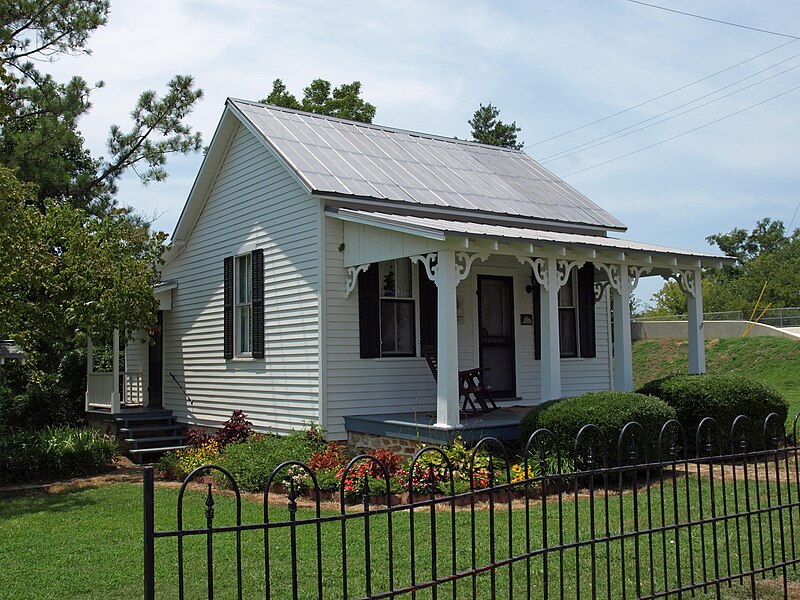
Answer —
(420, 134)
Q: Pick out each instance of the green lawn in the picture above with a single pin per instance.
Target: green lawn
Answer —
(87, 543)
(775, 361)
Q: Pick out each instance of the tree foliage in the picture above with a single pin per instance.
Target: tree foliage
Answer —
(68, 271)
(487, 128)
(344, 101)
(39, 136)
(74, 260)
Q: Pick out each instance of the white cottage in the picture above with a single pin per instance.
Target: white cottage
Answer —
(316, 256)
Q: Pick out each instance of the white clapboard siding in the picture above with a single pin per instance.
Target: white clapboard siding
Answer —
(254, 201)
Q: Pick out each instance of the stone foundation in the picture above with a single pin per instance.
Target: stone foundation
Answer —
(368, 442)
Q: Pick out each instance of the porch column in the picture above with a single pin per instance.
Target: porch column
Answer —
(551, 341)
(697, 342)
(623, 357)
(447, 392)
(115, 400)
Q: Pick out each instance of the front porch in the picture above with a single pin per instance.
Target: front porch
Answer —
(573, 278)
(115, 391)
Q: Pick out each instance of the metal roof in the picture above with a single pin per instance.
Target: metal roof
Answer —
(440, 228)
(337, 157)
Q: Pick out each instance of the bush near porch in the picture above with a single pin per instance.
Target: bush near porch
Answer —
(725, 397)
(609, 411)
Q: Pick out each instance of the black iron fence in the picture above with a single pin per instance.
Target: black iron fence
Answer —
(647, 519)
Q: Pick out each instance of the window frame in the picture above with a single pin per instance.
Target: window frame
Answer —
(411, 299)
(574, 308)
(247, 258)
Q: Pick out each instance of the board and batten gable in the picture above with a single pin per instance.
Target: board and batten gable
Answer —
(254, 202)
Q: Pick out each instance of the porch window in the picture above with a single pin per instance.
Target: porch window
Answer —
(397, 308)
(244, 305)
(387, 309)
(568, 318)
(576, 319)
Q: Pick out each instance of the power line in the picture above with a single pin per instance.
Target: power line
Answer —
(665, 94)
(789, 228)
(669, 139)
(688, 14)
(613, 135)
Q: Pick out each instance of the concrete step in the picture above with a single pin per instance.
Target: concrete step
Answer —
(153, 454)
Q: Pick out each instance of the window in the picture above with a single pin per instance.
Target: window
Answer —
(243, 337)
(568, 318)
(243, 305)
(576, 319)
(398, 328)
(388, 293)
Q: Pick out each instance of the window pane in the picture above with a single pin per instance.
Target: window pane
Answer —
(565, 295)
(388, 278)
(567, 332)
(397, 327)
(403, 278)
(244, 323)
(244, 279)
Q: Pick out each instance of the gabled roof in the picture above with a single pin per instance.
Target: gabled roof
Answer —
(334, 157)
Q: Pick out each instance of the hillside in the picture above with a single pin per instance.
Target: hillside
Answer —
(775, 361)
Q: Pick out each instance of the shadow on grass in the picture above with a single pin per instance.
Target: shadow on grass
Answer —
(29, 503)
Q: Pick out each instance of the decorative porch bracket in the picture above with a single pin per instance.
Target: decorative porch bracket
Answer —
(539, 268)
(565, 268)
(429, 261)
(685, 278)
(352, 277)
(599, 289)
(635, 273)
(464, 261)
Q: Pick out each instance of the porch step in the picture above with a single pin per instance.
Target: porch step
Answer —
(149, 429)
(147, 434)
(140, 443)
(152, 454)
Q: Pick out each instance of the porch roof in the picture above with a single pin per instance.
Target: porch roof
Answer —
(442, 230)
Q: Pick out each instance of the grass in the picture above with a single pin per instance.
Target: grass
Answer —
(775, 361)
(87, 543)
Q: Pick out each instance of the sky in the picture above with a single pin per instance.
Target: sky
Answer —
(720, 152)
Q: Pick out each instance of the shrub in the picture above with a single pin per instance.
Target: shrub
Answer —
(54, 452)
(235, 429)
(251, 461)
(389, 458)
(196, 437)
(179, 463)
(609, 411)
(723, 397)
(332, 458)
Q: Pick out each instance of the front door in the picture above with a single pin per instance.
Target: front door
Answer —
(496, 334)
(155, 364)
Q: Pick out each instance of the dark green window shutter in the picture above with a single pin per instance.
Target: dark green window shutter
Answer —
(537, 319)
(258, 303)
(369, 324)
(428, 309)
(227, 309)
(586, 310)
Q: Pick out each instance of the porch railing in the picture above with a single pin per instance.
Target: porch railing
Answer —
(100, 390)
